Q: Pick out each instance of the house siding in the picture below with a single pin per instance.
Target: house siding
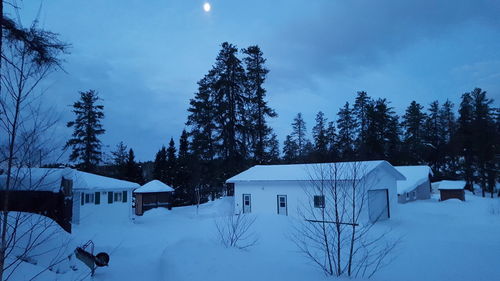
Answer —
(423, 193)
(103, 212)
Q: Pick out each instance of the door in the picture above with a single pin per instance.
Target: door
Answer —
(247, 203)
(378, 205)
(282, 205)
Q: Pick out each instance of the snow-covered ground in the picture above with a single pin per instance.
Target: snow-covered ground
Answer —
(449, 240)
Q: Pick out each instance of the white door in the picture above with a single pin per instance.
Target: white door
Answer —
(282, 205)
(247, 203)
(378, 205)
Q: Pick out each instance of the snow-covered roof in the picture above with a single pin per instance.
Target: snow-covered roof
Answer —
(450, 184)
(415, 176)
(306, 172)
(154, 186)
(49, 179)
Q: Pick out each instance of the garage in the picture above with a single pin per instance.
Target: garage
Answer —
(378, 205)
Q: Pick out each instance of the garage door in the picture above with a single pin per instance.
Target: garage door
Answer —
(378, 207)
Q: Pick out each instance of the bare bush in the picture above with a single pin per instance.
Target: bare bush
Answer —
(332, 231)
(235, 231)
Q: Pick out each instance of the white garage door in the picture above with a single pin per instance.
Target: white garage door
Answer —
(378, 207)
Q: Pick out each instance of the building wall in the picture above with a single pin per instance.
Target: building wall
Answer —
(421, 192)
(264, 194)
(452, 194)
(103, 212)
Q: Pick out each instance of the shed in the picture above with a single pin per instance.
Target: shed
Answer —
(153, 194)
(288, 189)
(451, 189)
(417, 185)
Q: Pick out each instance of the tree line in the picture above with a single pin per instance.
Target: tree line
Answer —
(227, 132)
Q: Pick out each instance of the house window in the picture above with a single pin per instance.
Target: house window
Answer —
(319, 201)
(407, 196)
(89, 198)
(414, 195)
(118, 196)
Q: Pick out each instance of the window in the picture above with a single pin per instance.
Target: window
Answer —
(118, 196)
(407, 196)
(414, 195)
(89, 198)
(319, 201)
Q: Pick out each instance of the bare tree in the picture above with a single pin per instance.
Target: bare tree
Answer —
(333, 230)
(25, 124)
(235, 231)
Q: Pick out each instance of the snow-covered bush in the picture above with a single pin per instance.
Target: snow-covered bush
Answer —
(235, 231)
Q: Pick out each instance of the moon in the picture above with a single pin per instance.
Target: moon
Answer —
(207, 7)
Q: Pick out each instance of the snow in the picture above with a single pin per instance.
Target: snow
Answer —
(306, 172)
(450, 240)
(447, 184)
(49, 179)
(154, 186)
(415, 176)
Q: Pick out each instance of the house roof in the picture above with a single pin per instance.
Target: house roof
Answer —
(307, 172)
(49, 179)
(154, 186)
(449, 185)
(415, 176)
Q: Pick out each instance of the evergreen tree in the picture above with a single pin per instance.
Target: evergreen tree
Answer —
(299, 135)
(258, 108)
(171, 168)
(432, 133)
(185, 187)
(346, 127)
(87, 127)
(133, 172)
(413, 124)
(331, 136)
(273, 155)
(360, 111)
(382, 140)
(449, 149)
(320, 135)
(160, 165)
(465, 139)
(290, 150)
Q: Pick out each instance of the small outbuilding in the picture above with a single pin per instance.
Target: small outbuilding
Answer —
(289, 189)
(153, 194)
(451, 190)
(417, 185)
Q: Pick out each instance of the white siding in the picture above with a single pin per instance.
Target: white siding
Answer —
(105, 212)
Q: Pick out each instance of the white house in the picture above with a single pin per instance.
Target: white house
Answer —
(285, 189)
(95, 198)
(417, 185)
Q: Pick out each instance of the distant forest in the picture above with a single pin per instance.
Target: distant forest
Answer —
(227, 132)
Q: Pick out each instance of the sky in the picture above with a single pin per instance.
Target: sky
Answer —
(145, 57)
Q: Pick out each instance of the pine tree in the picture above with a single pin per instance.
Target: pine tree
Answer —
(382, 140)
(449, 149)
(331, 136)
(413, 124)
(360, 111)
(346, 127)
(185, 189)
(258, 109)
(87, 127)
(320, 136)
(171, 168)
(160, 165)
(133, 172)
(299, 135)
(432, 133)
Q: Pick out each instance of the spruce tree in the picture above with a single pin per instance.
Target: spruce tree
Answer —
(331, 136)
(360, 111)
(290, 150)
(133, 172)
(346, 127)
(120, 155)
(171, 168)
(184, 189)
(465, 139)
(87, 127)
(299, 135)
(383, 132)
(320, 136)
(160, 165)
(413, 124)
(273, 155)
(432, 138)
